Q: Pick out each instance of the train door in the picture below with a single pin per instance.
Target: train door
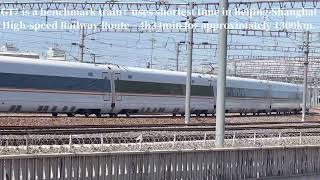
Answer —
(212, 99)
(269, 95)
(117, 95)
(211, 85)
(106, 77)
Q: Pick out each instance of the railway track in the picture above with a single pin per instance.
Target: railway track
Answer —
(98, 129)
(149, 116)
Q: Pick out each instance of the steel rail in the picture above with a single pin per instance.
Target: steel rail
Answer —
(98, 129)
(134, 116)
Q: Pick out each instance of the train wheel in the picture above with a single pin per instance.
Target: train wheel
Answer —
(174, 115)
(70, 114)
(240, 114)
(182, 114)
(98, 115)
(87, 114)
(54, 114)
(113, 115)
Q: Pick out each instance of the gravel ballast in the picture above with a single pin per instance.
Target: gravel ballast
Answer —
(47, 119)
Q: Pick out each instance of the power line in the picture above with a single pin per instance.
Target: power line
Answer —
(239, 32)
(206, 45)
(262, 58)
(114, 5)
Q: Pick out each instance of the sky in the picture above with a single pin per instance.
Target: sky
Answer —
(137, 49)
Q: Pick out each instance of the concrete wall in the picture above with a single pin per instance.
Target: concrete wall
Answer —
(200, 164)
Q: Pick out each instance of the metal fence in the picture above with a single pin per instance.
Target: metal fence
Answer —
(146, 142)
(232, 163)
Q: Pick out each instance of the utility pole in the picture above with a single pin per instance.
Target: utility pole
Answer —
(177, 58)
(94, 58)
(153, 40)
(81, 45)
(317, 92)
(221, 81)
(189, 68)
(305, 79)
(313, 91)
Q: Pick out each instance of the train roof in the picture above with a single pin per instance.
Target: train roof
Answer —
(166, 72)
(69, 64)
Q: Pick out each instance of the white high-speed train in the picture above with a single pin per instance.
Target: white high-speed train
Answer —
(41, 86)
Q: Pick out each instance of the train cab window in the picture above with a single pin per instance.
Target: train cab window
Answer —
(117, 83)
(129, 76)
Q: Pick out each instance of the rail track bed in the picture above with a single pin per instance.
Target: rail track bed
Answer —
(39, 120)
(96, 129)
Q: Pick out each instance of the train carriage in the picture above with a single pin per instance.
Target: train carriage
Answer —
(42, 86)
(147, 91)
(53, 87)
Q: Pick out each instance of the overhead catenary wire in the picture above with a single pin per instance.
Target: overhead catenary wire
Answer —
(200, 35)
(115, 5)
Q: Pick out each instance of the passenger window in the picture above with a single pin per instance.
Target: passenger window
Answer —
(90, 73)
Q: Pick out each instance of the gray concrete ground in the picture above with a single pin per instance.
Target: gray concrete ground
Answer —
(311, 177)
